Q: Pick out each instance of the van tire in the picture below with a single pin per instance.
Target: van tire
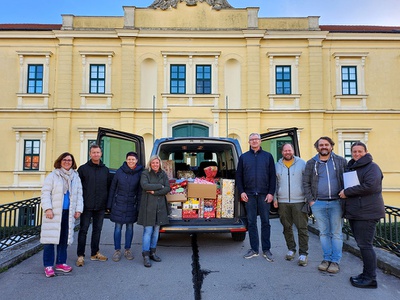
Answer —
(238, 236)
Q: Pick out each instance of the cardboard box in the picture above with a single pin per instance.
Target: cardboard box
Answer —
(197, 190)
(176, 198)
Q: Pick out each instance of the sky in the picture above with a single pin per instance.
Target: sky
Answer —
(331, 12)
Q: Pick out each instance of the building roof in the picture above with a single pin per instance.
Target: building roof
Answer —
(360, 28)
(30, 27)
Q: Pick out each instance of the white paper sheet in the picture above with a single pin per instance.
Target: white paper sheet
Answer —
(350, 179)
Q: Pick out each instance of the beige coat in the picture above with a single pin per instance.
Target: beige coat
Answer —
(52, 198)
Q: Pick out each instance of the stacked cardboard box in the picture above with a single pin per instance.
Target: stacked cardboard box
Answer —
(228, 197)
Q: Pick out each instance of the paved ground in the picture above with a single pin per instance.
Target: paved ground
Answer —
(202, 267)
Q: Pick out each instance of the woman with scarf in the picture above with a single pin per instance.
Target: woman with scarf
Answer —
(123, 201)
(62, 204)
(363, 208)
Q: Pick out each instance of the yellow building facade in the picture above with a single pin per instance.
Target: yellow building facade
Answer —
(167, 70)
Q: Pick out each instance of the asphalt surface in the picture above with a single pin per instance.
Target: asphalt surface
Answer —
(204, 266)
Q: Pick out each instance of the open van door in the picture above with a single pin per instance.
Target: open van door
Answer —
(115, 144)
(273, 142)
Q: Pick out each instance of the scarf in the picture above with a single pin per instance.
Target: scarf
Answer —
(67, 176)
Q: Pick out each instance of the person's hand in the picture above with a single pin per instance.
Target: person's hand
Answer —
(312, 203)
(150, 192)
(269, 198)
(342, 195)
(276, 203)
(49, 214)
(77, 214)
(243, 197)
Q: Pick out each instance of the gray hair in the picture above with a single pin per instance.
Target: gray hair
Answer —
(153, 157)
(255, 134)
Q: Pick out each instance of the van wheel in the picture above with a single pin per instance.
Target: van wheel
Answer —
(238, 236)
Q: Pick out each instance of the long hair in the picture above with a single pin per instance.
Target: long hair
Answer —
(153, 157)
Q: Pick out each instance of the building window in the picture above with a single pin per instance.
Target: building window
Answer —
(203, 79)
(31, 154)
(283, 80)
(97, 79)
(178, 79)
(347, 149)
(35, 79)
(349, 80)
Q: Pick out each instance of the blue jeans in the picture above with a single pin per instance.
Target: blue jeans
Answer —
(328, 215)
(128, 235)
(258, 205)
(86, 216)
(48, 249)
(364, 232)
(150, 237)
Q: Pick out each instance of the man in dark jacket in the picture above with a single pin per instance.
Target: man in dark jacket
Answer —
(95, 182)
(322, 182)
(256, 183)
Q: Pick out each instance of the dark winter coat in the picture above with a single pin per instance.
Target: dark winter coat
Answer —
(365, 201)
(256, 173)
(124, 195)
(153, 207)
(95, 183)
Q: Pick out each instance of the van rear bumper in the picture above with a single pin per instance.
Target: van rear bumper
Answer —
(204, 226)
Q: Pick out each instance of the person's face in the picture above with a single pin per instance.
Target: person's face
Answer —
(254, 142)
(357, 152)
(155, 165)
(95, 155)
(287, 152)
(324, 147)
(66, 162)
(131, 161)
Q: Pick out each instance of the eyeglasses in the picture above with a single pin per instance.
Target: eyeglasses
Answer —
(67, 160)
(254, 140)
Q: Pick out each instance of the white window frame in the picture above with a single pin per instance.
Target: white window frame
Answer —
(86, 134)
(191, 59)
(350, 102)
(284, 101)
(29, 133)
(24, 99)
(96, 101)
(351, 134)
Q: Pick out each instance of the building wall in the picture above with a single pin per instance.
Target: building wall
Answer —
(243, 50)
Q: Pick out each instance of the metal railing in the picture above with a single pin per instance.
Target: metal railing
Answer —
(19, 221)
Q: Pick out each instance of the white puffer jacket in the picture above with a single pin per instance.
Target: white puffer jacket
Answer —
(52, 198)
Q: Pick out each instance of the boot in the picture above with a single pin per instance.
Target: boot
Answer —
(146, 259)
(153, 255)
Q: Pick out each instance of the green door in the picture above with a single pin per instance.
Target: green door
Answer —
(190, 130)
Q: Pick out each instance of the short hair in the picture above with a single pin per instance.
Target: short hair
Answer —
(255, 133)
(359, 144)
(153, 157)
(131, 153)
(290, 144)
(57, 162)
(327, 138)
(93, 146)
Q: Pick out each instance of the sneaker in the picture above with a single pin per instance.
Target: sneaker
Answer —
(49, 272)
(63, 267)
(268, 256)
(333, 268)
(128, 254)
(80, 261)
(98, 256)
(324, 265)
(290, 255)
(117, 255)
(250, 254)
(303, 260)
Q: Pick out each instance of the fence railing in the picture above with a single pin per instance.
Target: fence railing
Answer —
(19, 221)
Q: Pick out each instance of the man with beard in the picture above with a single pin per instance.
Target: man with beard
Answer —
(322, 182)
(290, 199)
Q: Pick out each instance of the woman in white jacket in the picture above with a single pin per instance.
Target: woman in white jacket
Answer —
(62, 203)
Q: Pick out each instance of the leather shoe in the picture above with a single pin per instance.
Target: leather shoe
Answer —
(364, 283)
(358, 277)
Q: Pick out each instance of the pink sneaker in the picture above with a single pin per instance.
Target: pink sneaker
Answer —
(63, 267)
(49, 272)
